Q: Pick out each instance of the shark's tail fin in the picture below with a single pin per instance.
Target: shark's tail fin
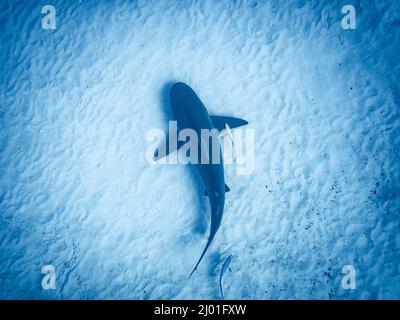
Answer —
(202, 255)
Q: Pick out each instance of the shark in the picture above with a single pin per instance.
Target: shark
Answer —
(190, 113)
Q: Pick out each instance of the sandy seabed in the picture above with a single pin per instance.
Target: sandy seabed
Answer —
(77, 192)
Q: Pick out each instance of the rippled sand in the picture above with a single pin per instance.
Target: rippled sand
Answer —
(77, 192)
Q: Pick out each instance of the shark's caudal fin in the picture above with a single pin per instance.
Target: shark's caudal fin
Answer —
(221, 122)
(202, 255)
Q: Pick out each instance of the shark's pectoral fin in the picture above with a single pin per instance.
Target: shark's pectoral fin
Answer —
(165, 148)
(221, 122)
(226, 190)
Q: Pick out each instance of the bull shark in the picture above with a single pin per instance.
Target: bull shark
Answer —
(190, 113)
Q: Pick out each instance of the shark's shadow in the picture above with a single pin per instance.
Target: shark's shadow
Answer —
(201, 203)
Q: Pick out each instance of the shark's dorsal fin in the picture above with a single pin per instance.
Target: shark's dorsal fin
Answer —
(220, 122)
(226, 190)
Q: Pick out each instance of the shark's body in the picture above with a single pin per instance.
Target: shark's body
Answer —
(190, 113)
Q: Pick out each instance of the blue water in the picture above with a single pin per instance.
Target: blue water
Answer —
(76, 189)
